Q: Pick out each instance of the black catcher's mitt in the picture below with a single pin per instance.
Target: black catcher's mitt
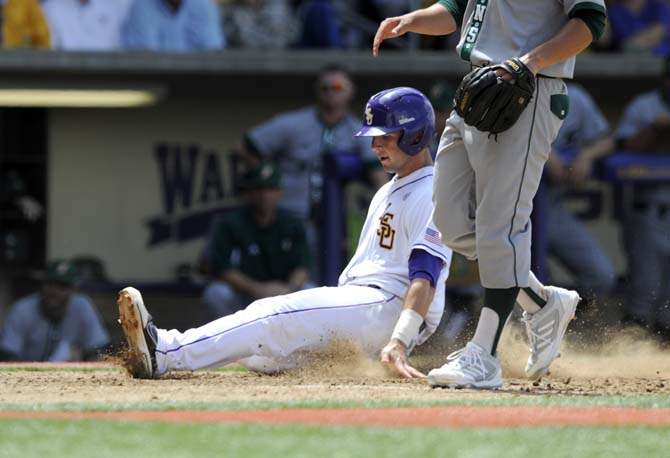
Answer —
(491, 104)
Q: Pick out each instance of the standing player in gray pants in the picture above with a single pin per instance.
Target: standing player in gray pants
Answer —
(485, 179)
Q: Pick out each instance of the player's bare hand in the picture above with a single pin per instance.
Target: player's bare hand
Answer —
(391, 28)
(395, 355)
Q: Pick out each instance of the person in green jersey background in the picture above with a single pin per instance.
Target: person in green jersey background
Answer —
(257, 250)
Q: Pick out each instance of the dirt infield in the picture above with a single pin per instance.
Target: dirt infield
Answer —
(458, 416)
(628, 367)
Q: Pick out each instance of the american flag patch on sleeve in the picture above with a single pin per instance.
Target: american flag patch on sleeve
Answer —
(433, 236)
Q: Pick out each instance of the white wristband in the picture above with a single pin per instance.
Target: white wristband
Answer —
(407, 327)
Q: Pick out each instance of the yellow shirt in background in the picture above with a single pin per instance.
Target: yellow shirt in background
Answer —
(23, 25)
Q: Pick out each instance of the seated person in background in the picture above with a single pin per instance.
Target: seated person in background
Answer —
(259, 23)
(645, 128)
(639, 26)
(258, 250)
(23, 25)
(54, 324)
(586, 132)
(173, 25)
(92, 25)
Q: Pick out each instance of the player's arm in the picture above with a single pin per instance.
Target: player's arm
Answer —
(424, 272)
(586, 25)
(253, 288)
(437, 19)
(242, 283)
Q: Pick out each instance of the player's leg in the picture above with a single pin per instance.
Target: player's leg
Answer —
(454, 191)
(508, 169)
(282, 327)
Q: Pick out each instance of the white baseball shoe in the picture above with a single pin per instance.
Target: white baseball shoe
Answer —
(140, 333)
(469, 367)
(546, 328)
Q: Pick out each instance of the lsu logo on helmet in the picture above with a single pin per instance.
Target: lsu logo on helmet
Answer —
(368, 114)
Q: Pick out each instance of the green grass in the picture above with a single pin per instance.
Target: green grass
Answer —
(102, 439)
(643, 401)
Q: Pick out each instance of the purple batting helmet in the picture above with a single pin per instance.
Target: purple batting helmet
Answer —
(400, 109)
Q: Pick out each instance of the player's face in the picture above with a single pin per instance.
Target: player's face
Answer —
(392, 159)
(264, 200)
(54, 299)
(334, 90)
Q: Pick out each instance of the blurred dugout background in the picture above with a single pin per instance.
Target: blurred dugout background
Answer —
(117, 154)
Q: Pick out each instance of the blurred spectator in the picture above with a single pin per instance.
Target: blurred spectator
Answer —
(441, 96)
(54, 324)
(23, 25)
(259, 23)
(173, 25)
(638, 25)
(20, 212)
(320, 26)
(258, 250)
(15, 198)
(391, 8)
(298, 141)
(94, 25)
(645, 128)
(583, 138)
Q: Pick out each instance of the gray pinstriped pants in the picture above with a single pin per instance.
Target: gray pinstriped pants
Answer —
(483, 188)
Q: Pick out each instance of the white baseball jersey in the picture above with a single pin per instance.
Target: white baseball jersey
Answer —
(275, 333)
(399, 220)
(495, 30)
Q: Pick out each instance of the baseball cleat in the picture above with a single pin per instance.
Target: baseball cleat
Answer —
(469, 367)
(546, 328)
(140, 333)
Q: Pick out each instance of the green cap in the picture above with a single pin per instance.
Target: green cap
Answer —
(266, 175)
(61, 271)
(441, 95)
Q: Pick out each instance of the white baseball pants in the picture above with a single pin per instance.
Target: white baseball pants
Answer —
(273, 334)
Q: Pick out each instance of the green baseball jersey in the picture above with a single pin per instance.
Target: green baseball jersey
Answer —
(263, 253)
(495, 30)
